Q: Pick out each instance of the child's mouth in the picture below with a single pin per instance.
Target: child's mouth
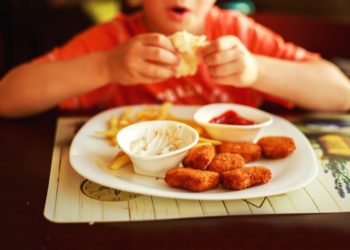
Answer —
(178, 12)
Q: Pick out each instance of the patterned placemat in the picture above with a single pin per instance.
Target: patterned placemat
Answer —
(71, 198)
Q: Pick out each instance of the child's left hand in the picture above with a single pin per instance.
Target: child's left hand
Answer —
(230, 63)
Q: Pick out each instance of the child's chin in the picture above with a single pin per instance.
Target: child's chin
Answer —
(175, 28)
(169, 31)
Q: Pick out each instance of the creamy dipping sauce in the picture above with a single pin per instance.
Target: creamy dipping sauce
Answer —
(158, 141)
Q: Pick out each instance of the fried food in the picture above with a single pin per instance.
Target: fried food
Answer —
(241, 178)
(200, 156)
(249, 151)
(207, 140)
(276, 147)
(120, 160)
(128, 117)
(192, 179)
(223, 162)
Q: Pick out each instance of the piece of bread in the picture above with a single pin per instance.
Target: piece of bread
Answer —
(187, 44)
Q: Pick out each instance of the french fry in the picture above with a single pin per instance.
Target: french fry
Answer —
(120, 160)
(107, 133)
(164, 110)
(112, 130)
(113, 141)
(147, 114)
(207, 140)
(189, 122)
(125, 118)
(113, 122)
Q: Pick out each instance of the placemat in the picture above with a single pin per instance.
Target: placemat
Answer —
(71, 198)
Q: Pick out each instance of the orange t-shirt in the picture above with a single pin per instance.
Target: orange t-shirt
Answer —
(195, 90)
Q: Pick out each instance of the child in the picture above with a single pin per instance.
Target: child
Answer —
(131, 60)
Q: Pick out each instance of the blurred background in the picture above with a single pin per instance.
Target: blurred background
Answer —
(29, 28)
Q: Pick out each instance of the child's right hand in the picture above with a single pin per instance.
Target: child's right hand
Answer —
(145, 58)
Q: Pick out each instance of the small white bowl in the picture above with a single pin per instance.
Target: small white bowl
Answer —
(150, 163)
(224, 132)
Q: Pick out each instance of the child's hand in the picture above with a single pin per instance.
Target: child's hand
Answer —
(146, 58)
(229, 62)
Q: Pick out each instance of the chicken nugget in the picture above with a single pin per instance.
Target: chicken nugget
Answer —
(200, 156)
(249, 150)
(241, 178)
(192, 179)
(223, 162)
(276, 147)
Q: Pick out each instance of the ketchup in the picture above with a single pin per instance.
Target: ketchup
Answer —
(232, 118)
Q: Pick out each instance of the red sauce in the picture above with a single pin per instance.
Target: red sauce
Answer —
(232, 118)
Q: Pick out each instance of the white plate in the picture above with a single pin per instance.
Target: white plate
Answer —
(91, 155)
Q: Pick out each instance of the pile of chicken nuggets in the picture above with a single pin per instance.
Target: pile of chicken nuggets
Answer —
(206, 165)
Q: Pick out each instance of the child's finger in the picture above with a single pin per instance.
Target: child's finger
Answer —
(160, 55)
(222, 57)
(158, 40)
(155, 71)
(225, 70)
(221, 44)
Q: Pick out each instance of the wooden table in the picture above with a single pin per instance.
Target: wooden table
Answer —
(26, 150)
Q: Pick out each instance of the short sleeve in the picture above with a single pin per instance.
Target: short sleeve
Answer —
(257, 38)
(98, 38)
(261, 40)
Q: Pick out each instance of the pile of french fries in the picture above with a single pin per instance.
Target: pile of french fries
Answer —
(116, 123)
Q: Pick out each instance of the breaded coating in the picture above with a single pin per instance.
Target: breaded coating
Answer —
(249, 150)
(200, 156)
(276, 147)
(223, 162)
(241, 178)
(192, 179)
